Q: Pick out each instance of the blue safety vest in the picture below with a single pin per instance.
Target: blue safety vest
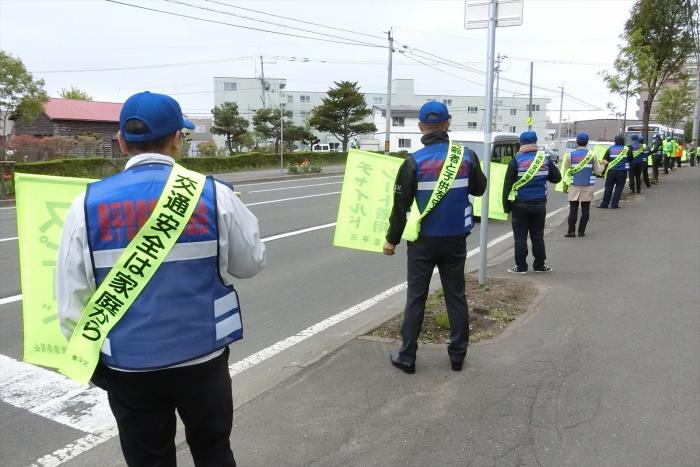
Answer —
(453, 215)
(622, 166)
(185, 311)
(638, 159)
(585, 177)
(535, 189)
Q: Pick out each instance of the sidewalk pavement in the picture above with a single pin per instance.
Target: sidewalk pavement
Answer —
(603, 370)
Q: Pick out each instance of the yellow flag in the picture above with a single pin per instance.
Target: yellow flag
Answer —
(366, 200)
(42, 204)
(497, 176)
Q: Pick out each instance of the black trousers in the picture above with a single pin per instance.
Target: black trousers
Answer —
(668, 163)
(614, 184)
(449, 254)
(645, 174)
(656, 166)
(692, 160)
(144, 404)
(573, 214)
(529, 219)
(678, 162)
(635, 174)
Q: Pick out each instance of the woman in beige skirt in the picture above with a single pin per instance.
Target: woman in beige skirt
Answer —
(581, 184)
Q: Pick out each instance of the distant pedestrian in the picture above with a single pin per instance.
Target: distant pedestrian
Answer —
(657, 158)
(525, 196)
(425, 177)
(645, 162)
(635, 170)
(616, 160)
(669, 151)
(580, 169)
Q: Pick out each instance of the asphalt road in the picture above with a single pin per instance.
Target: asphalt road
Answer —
(306, 281)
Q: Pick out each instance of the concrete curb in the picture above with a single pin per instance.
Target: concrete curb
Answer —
(278, 178)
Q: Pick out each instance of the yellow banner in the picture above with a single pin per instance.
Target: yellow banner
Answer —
(497, 177)
(366, 200)
(42, 204)
(599, 151)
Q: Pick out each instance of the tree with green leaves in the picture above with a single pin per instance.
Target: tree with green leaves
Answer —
(658, 39)
(267, 124)
(343, 113)
(228, 122)
(75, 93)
(301, 134)
(21, 97)
(675, 104)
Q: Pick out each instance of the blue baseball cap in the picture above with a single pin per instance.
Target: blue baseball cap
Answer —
(433, 112)
(582, 138)
(161, 114)
(634, 138)
(528, 137)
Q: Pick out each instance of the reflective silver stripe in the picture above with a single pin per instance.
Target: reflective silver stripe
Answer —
(538, 174)
(180, 252)
(467, 215)
(226, 303)
(106, 347)
(228, 325)
(459, 183)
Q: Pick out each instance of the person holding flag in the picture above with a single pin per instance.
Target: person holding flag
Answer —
(525, 195)
(617, 160)
(144, 289)
(434, 184)
(580, 168)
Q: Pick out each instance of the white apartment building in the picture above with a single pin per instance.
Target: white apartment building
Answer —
(467, 111)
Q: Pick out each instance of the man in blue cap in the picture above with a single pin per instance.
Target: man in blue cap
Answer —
(525, 195)
(617, 160)
(168, 351)
(635, 171)
(580, 168)
(442, 238)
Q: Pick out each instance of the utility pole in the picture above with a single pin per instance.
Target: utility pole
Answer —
(262, 81)
(282, 107)
(387, 138)
(484, 233)
(561, 109)
(627, 96)
(529, 115)
(499, 59)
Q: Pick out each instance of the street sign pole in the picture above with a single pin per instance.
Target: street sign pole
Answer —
(479, 14)
(488, 122)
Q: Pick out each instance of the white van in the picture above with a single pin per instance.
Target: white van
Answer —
(320, 148)
(504, 146)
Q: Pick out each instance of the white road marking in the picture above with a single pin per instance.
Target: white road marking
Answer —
(27, 398)
(8, 239)
(11, 207)
(284, 181)
(291, 199)
(14, 298)
(297, 232)
(291, 187)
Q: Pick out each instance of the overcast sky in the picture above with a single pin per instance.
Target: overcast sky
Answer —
(64, 42)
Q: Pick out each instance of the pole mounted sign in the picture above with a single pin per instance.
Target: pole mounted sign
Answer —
(508, 13)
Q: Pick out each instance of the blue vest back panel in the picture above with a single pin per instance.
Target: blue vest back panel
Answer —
(586, 176)
(640, 158)
(185, 311)
(622, 166)
(535, 189)
(453, 215)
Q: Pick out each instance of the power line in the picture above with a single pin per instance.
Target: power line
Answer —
(179, 2)
(143, 67)
(296, 19)
(359, 44)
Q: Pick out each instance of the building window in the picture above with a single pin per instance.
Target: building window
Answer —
(282, 86)
(303, 115)
(512, 129)
(471, 110)
(471, 124)
(305, 99)
(404, 143)
(228, 86)
(397, 121)
(333, 146)
(535, 107)
(500, 118)
(378, 100)
(513, 111)
(290, 99)
(447, 101)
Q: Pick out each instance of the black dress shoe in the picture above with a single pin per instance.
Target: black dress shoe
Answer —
(581, 234)
(457, 366)
(570, 235)
(405, 367)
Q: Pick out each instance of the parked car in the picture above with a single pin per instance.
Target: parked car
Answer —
(504, 146)
(550, 151)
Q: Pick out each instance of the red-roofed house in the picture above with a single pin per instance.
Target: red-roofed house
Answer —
(70, 118)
